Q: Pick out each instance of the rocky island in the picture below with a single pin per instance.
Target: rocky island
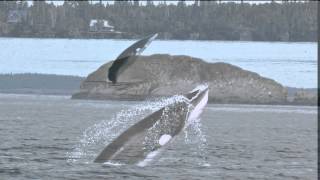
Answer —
(162, 75)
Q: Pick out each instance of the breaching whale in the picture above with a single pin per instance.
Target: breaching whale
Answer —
(140, 143)
(128, 56)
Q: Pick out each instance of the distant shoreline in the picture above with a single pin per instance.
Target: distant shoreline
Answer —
(133, 39)
(65, 85)
(30, 83)
(127, 19)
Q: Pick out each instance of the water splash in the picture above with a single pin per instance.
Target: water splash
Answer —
(195, 137)
(94, 138)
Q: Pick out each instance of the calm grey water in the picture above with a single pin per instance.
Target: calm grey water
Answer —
(291, 64)
(53, 137)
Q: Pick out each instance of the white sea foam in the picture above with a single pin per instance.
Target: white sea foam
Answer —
(148, 158)
(110, 163)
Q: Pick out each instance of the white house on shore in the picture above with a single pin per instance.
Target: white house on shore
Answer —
(100, 25)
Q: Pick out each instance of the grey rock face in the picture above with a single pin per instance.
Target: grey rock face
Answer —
(305, 97)
(165, 75)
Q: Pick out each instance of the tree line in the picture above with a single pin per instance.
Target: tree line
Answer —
(201, 20)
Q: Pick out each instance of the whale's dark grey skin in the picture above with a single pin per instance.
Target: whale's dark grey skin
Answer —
(142, 141)
(128, 56)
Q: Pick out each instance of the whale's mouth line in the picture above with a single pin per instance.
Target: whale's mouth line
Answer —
(195, 93)
(198, 108)
(192, 95)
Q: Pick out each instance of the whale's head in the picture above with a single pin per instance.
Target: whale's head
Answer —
(198, 99)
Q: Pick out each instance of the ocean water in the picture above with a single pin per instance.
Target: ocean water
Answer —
(291, 64)
(53, 137)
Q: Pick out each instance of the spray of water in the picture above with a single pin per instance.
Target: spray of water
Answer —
(195, 137)
(94, 138)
